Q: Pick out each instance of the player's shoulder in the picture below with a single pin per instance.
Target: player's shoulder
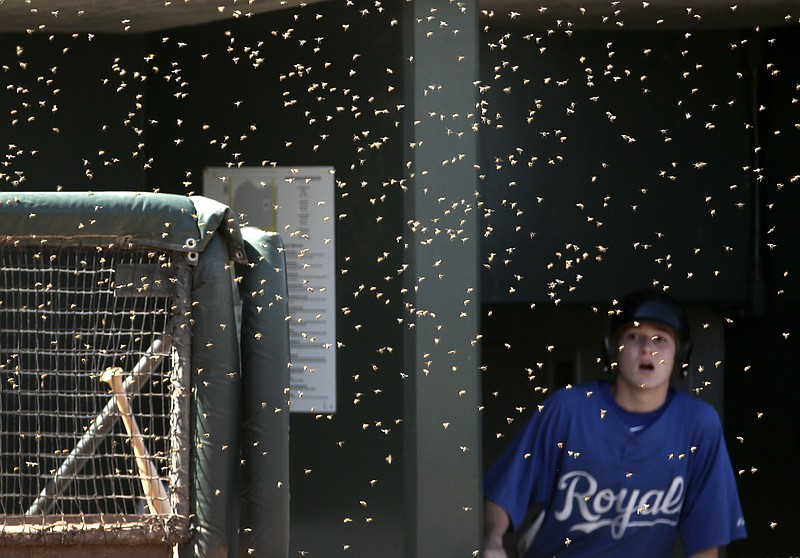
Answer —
(572, 396)
(571, 391)
(691, 407)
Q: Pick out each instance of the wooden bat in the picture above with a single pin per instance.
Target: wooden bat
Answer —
(154, 491)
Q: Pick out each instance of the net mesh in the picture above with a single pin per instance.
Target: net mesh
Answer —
(66, 315)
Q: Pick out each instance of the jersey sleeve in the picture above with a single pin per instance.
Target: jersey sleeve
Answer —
(712, 514)
(524, 473)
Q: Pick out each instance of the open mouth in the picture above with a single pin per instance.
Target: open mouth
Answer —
(647, 366)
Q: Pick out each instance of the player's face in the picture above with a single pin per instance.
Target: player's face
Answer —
(646, 355)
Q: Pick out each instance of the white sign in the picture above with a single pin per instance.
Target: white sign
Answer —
(298, 204)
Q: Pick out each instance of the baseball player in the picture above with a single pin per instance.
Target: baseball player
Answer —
(619, 468)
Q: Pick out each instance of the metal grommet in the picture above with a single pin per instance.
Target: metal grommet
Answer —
(192, 256)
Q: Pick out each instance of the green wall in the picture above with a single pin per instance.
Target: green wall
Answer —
(608, 151)
(69, 117)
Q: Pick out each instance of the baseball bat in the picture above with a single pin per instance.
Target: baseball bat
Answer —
(154, 492)
(83, 450)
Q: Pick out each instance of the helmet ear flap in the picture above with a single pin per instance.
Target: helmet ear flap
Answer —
(607, 354)
(685, 353)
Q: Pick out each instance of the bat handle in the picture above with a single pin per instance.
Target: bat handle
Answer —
(154, 492)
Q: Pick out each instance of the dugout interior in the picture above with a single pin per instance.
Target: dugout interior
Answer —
(191, 310)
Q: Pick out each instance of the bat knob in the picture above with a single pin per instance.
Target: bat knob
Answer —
(108, 374)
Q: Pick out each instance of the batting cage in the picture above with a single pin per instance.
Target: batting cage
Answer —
(144, 358)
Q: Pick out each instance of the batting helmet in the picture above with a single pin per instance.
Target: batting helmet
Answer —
(649, 305)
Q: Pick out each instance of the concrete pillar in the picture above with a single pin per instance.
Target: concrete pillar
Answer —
(442, 453)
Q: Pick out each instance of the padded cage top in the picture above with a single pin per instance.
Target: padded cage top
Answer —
(125, 219)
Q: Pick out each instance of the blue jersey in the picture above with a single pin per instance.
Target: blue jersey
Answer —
(607, 491)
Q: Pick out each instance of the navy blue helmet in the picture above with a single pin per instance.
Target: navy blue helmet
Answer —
(649, 305)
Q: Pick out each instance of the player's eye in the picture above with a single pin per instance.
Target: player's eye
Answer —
(660, 340)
